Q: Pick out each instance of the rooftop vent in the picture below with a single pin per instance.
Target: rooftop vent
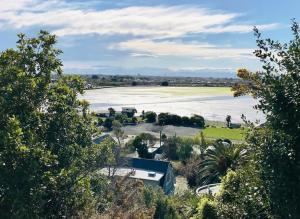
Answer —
(151, 174)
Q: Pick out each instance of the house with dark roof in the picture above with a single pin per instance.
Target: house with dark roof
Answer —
(151, 172)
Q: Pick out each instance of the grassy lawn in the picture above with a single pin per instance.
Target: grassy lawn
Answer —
(188, 91)
(219, 132)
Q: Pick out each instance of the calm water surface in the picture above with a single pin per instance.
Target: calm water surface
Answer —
(212, 104)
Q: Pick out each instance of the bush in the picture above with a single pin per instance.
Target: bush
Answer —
(122, 118)
(197, 121)
(163, 119)
(100, 121)
(108, 123)
(206, 209)
(165, 210)
(164, 83)
(186, 121)
(140, 144)
(150, 116)
(242, 195)
(175, 120)
(184, 151)
(172, 119)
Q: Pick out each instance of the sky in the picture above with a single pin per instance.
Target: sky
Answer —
(151, 37)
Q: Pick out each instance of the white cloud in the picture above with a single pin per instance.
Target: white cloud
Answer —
(151, 22)
(145, 25)
(143, 55)
(196, 50)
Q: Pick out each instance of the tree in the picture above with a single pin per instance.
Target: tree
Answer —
(117, 130)
(197, 121)
(175, 120)
(190, 170)
(207, 209)
(186, 121)
(277, 144)
(171, 146)
(228, 121)
(108, 123)
(164, 83)
(150, 116)
(122, 118)
(95, 77)
(242, 195)
(163, 119)
(218, 159)
(165, 210)
(46, 152)
(100, 121)
(112, 112)
(185, 149)
(141, 147)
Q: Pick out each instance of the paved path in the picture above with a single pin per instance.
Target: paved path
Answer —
(168, 130)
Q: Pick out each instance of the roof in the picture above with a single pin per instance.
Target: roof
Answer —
(137, 174)
(154, 148)
(148, 164)
(156, 166)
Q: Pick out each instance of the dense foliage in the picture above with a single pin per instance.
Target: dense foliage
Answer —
(46, 150)
(172, 119)
(277, 87)
(150, 116)
(219, 158)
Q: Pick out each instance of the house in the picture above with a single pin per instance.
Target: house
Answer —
(152, 172)
(156, 150)
(129, 111)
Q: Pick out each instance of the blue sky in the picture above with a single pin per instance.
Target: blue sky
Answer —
(166, 37)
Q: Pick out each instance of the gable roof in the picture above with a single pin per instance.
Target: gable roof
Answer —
(147, 164)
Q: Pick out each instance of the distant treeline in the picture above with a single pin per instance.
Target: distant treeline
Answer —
(95, 81)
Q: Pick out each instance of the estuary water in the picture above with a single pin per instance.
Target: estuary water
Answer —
(212, 103)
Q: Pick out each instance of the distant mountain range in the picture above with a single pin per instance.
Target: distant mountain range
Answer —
(205, 73)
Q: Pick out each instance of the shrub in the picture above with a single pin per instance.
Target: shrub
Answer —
(173, 119)
(150, 116)
(206, 209)
(108, 123)
(184, 151)
(164, 83)
(197, 121)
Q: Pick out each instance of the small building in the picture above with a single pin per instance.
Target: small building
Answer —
(156, 150)
(129, 110)
(152, 172)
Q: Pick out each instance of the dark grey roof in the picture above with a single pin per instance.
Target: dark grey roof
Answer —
(148, 164)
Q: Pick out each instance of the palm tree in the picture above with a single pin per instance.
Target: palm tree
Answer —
(219, 158)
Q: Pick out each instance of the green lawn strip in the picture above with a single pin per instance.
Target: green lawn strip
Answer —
(188, 91)
(219, 132)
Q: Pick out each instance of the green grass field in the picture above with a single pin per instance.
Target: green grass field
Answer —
(188, 91)
(219, 132)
